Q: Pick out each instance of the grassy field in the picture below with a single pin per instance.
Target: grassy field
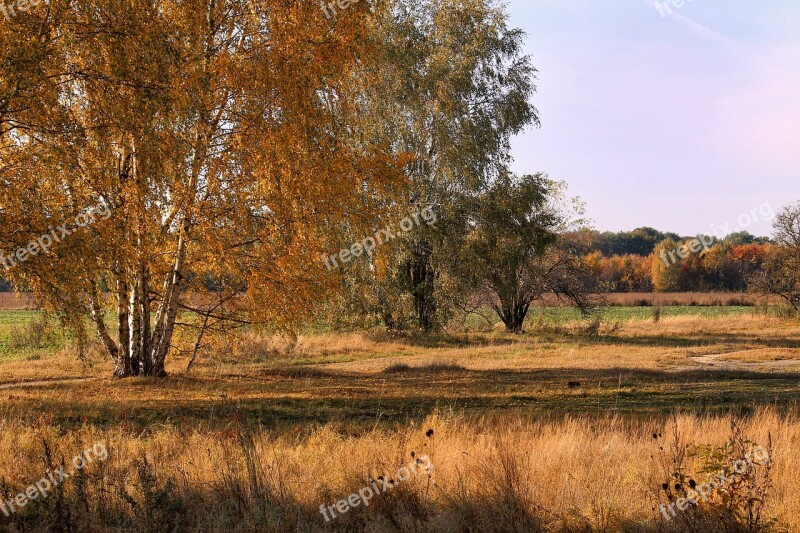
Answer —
(573, 426)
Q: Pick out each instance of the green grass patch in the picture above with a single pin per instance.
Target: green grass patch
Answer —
(27, 335)
(560, 315)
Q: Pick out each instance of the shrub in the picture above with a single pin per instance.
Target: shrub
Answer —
(38, 333)
(716, 488)
(656, 314)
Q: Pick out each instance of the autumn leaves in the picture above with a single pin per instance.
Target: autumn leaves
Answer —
(43, 243)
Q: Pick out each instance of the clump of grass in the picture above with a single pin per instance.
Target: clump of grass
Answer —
(436, 368)
(656, 313)
(398, 368)
(592, 329)
(298, 372)
(38, 333)
(153, 503)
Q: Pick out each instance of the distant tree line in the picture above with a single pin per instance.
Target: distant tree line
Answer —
(643, 241)
(646, 259)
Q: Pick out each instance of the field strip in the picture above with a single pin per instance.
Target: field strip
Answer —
(40, 383)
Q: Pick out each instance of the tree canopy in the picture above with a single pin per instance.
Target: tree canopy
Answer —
(222, 137)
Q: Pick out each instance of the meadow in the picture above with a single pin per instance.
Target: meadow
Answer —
(575, 425)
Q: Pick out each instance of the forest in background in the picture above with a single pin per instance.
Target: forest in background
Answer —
(639, 261)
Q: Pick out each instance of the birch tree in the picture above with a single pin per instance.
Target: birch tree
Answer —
(217, 135)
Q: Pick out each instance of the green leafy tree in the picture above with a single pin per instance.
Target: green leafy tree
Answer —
(641, 241)
(453, 87)
(515, 251)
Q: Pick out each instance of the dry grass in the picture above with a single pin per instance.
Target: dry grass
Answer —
(764, 354)
(547, 431)
(490, 474)
(16, 301)
(687, 298)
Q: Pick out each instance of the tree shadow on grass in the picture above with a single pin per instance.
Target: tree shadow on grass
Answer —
(704, 339)
(360, 400)
(442, 340)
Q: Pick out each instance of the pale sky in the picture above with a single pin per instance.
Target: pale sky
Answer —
(684, 118)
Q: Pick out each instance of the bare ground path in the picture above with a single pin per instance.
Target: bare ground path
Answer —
(715, 361)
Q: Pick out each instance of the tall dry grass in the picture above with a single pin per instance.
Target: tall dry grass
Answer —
(689, 298)
(490, 474)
